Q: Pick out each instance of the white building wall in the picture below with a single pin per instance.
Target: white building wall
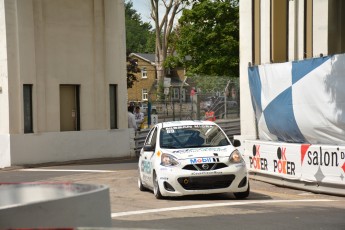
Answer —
(247, 113)
(116, 64)
(320, 27)
(5, 156)
(292, 39)
(53, 42)
(300, 29)
(265, 31)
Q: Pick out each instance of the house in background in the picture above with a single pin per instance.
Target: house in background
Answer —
(145, 88)
(62, 91)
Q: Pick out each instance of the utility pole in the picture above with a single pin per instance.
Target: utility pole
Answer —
(225, 95)
(181, 87)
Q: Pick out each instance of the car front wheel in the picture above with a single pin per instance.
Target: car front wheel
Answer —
(242, 195)
(156, 190)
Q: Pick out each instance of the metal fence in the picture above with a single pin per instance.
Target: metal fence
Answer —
(223, 108)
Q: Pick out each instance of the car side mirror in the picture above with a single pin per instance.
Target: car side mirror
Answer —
(149, 148)
(237, 143)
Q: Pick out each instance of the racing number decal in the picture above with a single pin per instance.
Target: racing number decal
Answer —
(146, 167)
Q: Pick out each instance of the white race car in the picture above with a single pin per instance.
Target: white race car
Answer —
(191, 157)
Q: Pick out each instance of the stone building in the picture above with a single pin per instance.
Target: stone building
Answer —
(62, 85)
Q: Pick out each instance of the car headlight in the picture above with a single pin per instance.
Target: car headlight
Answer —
(235, 157)
(168, 160)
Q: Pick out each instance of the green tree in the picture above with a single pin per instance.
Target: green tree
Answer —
(139, 39)
(208, 33)
(139, 34)
(132, 69)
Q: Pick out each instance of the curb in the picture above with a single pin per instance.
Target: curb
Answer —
(73, 162)
(321, 188)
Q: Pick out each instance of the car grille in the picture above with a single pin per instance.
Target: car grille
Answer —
(206, 182)
(199, 167)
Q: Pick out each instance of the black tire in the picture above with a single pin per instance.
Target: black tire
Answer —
(140, 185)
(242, 195)
(156, 190)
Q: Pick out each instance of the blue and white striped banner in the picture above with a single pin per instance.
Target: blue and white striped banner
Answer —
(300, 101)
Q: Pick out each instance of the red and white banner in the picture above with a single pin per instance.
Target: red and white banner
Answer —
(304, 162)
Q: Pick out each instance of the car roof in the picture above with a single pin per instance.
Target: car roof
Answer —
(184, 122)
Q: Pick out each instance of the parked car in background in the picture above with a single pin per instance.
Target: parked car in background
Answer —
(191, 157)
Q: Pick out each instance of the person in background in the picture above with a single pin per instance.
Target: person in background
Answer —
(131, 118)
(209, 114)
(139, 117)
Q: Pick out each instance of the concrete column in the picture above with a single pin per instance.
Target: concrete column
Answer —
(247, 113)
(320, 27)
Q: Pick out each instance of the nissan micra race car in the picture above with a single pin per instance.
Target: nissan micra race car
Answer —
(191, 157)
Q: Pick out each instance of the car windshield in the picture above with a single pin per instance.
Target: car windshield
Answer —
(192, 136)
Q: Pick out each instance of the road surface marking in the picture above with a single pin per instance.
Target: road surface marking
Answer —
(129, 213)
(66, 170)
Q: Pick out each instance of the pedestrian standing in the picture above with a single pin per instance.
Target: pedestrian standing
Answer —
(131, 118)
(139, 117)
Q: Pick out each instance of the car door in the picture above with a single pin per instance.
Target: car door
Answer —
(147, 157)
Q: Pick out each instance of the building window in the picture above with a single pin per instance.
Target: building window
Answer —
(256, 19)
(144, 72)
(175, 93)
(279, 30)
(113, 106)
(308, 29)
(69, 108)
(27, 99)
(144, 95)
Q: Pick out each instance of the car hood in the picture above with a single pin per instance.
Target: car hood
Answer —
(222, 151)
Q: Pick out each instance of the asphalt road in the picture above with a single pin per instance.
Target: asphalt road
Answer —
(268, 206)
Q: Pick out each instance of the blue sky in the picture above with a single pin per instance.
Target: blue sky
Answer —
(143, 8)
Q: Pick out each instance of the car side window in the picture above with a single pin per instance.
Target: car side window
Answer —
(151, 140)
(148, 137)
(154, 138)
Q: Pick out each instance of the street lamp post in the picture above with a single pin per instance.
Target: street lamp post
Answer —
(225, 95)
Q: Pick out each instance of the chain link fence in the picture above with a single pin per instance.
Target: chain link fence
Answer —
(223, 101)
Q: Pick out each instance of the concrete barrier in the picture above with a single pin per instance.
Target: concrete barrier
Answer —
(54, 205)
(311, 167)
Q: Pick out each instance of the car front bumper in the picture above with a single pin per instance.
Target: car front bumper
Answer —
(174, 181)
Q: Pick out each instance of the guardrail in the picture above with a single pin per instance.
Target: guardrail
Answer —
(230, 127)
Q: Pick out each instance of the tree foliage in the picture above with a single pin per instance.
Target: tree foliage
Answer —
(208, 33)
(140, 38)
(132, 69)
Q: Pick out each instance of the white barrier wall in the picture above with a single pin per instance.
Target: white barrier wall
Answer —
(320, 164)
(54, 206)
(67, 146)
